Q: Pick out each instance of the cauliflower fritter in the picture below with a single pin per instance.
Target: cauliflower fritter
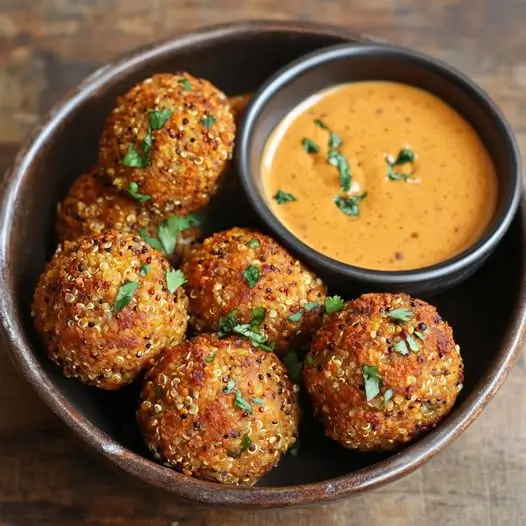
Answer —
(382, 371)
(219, 410)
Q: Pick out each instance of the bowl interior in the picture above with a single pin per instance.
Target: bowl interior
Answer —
(350, 63)
(237, 62)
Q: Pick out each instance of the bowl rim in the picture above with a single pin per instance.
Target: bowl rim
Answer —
(318, 59)
(19, 348)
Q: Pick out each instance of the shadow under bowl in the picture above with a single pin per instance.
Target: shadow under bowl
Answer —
(237, 58)
(349, 62)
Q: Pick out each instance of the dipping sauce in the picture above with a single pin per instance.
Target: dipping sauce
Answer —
(422, 185)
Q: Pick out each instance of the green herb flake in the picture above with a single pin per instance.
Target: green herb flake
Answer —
(211, 357)
(388, 395)
(152, 241)
(401, 347)
(296, 316)
(283, 197)
(402, 314)
(371, 380)
(208, 121)
(293, 364)
(135, 159)
(258, 314)
(159, 118)
(333, 304)
(310, 146)
(257, 401)
(187, 85)
(241, 403)
(321, 124)
(311, 306)
(405, 156)
(251, 275)
(245, 442)
(124, 295)
(257, 338)
(413, 344)
(419, 335)
(253, 243)
(227, 324)
(338, 160)
(349, 205)
(334, 140)
(230, 386)
(143, 271)
(309, 359)
(174, 279)
(133, 190)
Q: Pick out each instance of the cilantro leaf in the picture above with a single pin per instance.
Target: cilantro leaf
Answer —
(413, 344)
(283, 197)
(310, 146)
(419, 335)
(241, 403)
(333, 304)
(405, 156)
(296, 316)
(133, 190)
(230, 386)
(152, 241)
(245, 442)
(293, 364)
(258, 401)
(143, 271)
(311, 306)
(227, 324)
(253, 243)
(401, 314)
(321, 124)
(158, 118)
(338, 160)
(388, 395)
(211, 357)
(258, 316)
(334, 140)
(187, 85)
(124, 295)
(208, 121)
(134, 159)
(349, 204)
(371, 380)
(251, 275)
(401, 347)
(174, 279)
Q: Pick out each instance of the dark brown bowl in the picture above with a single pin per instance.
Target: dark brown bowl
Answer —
(487, 311)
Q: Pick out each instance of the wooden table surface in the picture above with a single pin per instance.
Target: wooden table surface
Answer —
(46, 479)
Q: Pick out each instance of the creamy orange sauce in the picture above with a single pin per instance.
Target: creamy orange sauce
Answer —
(440, 210)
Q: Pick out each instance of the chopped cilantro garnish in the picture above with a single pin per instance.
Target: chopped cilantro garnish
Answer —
(158, 118)
(349, 205)
(174, 279)
(229, 324)
(321, 124)
(310, 146)
(333, 304)
(133, 190)
(208, 121)
(311, 306)
(334, 140)
(419, 335)
(388, 395)
(296, 316)
(253, 243)
(230, 386)
(143, 271)
(211, 357)
(187, 85)
(401, 347)
(283, 197)
(257, 401)
(241, 403)
(338, 160)
(251, 275)
(136, 159)
(413, 344)
(405, 156)
(401, 314)
(124, 295)
(371, 380)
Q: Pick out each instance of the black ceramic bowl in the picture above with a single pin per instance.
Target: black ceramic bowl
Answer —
(350, 62)
(237, 58)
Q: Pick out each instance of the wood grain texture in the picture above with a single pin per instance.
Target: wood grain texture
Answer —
(46, 479)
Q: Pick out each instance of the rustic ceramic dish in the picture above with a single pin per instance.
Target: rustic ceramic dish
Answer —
(487, 310)
(344, 63)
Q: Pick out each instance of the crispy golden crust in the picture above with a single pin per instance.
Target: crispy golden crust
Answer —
(238, 104)
(187, 157)
(216, 286)
(424, 384)
(73, 309)
(93, 205)
(190, 419)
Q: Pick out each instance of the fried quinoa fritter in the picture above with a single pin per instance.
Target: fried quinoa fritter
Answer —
(382, 371)
(93, 206)
(242, 270)
(219, 410)
(172, 136)
(76, 308)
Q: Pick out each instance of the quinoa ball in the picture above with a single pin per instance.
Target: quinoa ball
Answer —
(382, 370)
(93, 206)
(243, 270)
(238, 104)
(172, 136)
(219, 410)
(103, 309)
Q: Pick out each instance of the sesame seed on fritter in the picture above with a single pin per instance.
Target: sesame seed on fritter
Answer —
(103, 309)
(207, 411)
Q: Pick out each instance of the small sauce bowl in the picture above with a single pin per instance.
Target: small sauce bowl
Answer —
(346, 63)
